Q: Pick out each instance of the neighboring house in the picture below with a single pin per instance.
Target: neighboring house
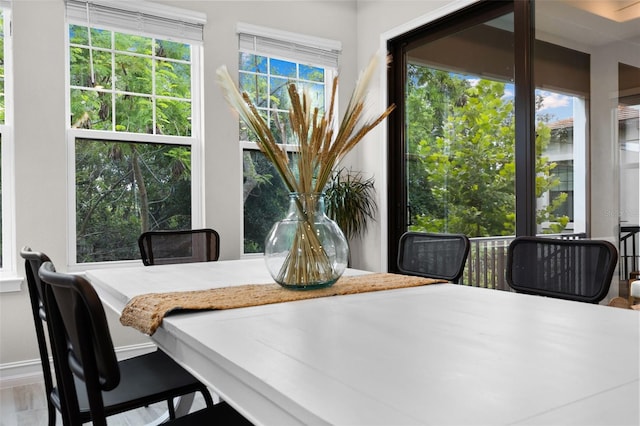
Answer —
(561, 151)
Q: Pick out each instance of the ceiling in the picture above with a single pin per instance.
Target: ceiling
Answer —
(590, 23)
(615, 10)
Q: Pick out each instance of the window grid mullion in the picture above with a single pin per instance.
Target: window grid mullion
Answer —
(154, 60)
(113, 81)
(269, 113)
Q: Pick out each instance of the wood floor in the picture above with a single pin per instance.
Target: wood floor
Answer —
(26, 406)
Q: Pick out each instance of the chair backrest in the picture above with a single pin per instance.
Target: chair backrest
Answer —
(433, 255)
(79, 324)
(183, 246)
(33, 261)
(566, 269)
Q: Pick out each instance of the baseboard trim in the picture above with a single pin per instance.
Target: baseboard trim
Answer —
(27, 372)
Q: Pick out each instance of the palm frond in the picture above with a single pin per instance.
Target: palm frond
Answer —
(349, 200)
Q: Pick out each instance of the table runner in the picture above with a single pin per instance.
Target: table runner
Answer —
(145, 312)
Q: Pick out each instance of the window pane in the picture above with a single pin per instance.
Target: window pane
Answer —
(123, 189)
(468, 164)
(173, 50)
(265, 198)
(102, 66)
(5, 185)
(133, 74)
(460, 157)
(173, 79)
(311, 73)
(80, 74)
(556, 145)
(133, 43)
(101, 38)
(253, 63)
(80, 68)
(1, 201)
(279, 98)
(2, 100)
(256, 87)
(173, 117)
(460, 133)
(134, 114)
(315, 92)
(90, 109)
(282, 68)
(281, 128)
(563, 78)
(78, 35)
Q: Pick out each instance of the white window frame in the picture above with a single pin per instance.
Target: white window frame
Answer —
(289, 46)
(9, 279)
(144, 13)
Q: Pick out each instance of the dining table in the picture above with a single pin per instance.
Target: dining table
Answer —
(437, 354)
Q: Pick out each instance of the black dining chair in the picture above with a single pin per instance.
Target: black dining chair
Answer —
(150, 378)
(433, 255)
(79, 325)
(579, 269)
(33, 260)
(181, 246)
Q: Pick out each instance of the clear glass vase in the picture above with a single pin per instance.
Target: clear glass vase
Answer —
(306, 249)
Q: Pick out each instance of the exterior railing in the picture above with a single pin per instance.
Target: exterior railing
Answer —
(487, 261)
(629, 257)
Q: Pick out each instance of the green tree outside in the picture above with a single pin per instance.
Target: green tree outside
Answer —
(461, 164)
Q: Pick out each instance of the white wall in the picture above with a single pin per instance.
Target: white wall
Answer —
(40, 154)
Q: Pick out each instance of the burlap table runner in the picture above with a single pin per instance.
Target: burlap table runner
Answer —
(145, 312)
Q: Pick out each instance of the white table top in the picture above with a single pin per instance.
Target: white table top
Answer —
(439, 354)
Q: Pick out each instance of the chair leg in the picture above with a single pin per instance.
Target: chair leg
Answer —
(52, 413)
(207, 396)
(171, 408)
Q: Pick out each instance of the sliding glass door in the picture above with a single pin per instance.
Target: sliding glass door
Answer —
(460, 131)
(452, 144)
(487, 142)
(628, 116)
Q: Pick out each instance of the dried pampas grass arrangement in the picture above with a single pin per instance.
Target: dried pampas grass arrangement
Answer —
(322, 142)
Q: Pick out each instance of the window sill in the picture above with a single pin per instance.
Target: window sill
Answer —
(10, 284)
